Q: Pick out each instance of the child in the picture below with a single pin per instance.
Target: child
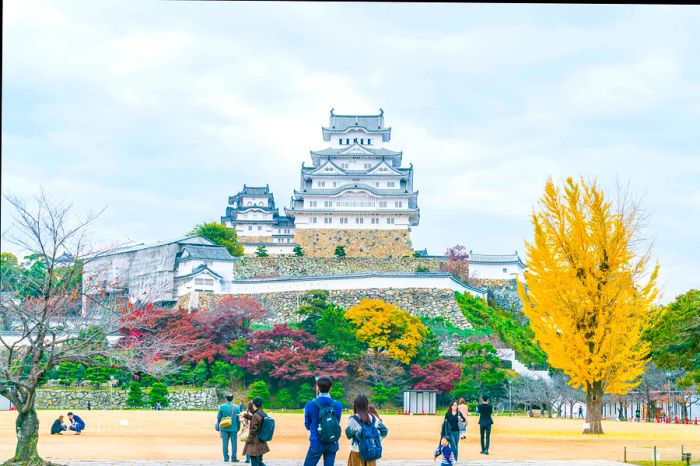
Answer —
(446, 452)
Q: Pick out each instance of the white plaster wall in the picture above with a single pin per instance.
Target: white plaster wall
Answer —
(495, 271)
(350, 283)
(359, 134)
(262, 201)
(303, 221)
(273, 250)
(254, 214)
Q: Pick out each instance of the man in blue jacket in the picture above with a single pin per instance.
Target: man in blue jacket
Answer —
(76, 423)
(229, 434)
(322, 431)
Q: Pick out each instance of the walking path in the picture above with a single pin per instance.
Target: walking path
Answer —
(342, 463)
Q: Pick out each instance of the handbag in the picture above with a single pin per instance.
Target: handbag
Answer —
(225, 422)
(243, 434)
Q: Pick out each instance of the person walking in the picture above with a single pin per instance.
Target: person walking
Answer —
(255, 447)
(228, 420)
(451, 427)
(58, 426)
(245, 427)
(322, 420)
(361, 421)
(580, 412)
(485, 422)
(76, 423)
(464, 409)
(444, 449)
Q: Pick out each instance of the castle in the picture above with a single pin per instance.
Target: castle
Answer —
(355, 194)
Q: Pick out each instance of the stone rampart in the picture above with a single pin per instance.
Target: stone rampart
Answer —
(292, 266)
(423, 302)
(358, 243)
(201, 398)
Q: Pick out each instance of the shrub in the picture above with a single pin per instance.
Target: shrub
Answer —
(340, 251)
(298, 251)
(159, 394)
(422, 269)
(259, 388)
(261, 251)
(135, 399)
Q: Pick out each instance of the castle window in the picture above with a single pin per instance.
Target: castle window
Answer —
(382, 204)
(259, 227)
(343, 220)
(390, 184)
(328, 204)
(390, 221)
(354, 141)
(313, 219)
(328, 220)
(362, 141)
(343, 165)
(250, 227)
(359, 220)
(335, 184)
(375, 220)
(340, 141)
(288, 240)
(369, 142)
(376, 184)
(347, 141)
(505, 270)
(312, 203)
(367, 165)
(398, 204)
(321, 184)
(383, 169)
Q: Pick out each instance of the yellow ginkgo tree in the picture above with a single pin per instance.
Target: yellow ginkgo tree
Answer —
(589, 290)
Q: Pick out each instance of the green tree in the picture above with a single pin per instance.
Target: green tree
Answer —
(305, 393)
(340, 251)
(220, 234)
(69, 372)
(675, 337)
(335, 330)
(98, 374)
(135, 398)
(284, 398)
(312, 305)
(428, 350)
(261, 251)
(159, 394)
(383, 394)
(338, 391)
(9, 271)
(221, 374)
(298, 250)
(259, 388)
(481, 368)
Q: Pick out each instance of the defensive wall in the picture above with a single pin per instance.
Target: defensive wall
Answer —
(357, 243)
(68, 398)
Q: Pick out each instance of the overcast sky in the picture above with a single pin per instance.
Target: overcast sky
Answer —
(161, 110)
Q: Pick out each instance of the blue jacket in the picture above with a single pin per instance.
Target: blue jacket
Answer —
(311, 413)
(229, 409)
(78, 421)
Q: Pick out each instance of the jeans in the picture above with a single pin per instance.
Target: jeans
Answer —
(226, 438)
(485, 437)
(256, 461)
(327, 450)
(77, 427)
(454, 443)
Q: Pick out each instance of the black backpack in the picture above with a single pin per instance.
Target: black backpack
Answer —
(328, 424)
(369, 440)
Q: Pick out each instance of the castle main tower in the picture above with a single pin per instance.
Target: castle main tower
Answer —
(355, 193)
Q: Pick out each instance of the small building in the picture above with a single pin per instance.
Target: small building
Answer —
(496, 266)
(252, 213)
(420, 402)
(160, 272)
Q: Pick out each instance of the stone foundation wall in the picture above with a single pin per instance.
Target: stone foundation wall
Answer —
(423, 302)
(291, 266)
(502, 293)
(358, 243)
(203, 398)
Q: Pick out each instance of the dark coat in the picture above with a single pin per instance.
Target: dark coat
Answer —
(485, 411)
(253, 445)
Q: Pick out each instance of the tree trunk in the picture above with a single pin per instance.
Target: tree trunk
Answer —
(27, 427)
(594, 408)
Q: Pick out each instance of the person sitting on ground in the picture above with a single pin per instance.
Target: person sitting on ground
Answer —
(58, 426)
(76, 423)
(446, 452)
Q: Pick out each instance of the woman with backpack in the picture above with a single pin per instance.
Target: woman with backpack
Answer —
(255, 447)
(365, 431)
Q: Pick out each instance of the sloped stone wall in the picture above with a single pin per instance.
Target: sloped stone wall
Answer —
(423, 302)
(291, 266)
(204, 398)
(358, 243)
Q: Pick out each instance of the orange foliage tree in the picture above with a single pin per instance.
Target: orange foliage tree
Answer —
(386, 327)
(589, 291)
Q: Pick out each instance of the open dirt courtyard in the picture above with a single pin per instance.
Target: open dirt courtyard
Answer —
(190, 435)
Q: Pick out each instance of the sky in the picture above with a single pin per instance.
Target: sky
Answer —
(159, 111)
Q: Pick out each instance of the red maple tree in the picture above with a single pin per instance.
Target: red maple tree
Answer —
(440, 375)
